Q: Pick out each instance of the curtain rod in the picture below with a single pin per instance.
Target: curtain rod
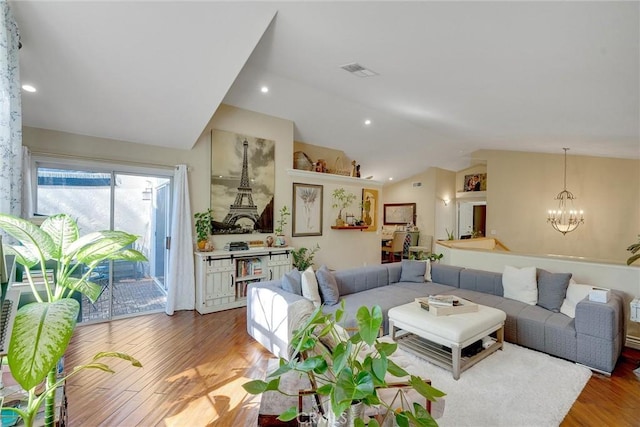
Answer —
(97, 159)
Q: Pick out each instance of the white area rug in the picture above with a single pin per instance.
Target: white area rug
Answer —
(512, 387)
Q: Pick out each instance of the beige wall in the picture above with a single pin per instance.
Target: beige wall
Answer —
(329, 155)
(432, 216)
(340, 249)
(521, 190)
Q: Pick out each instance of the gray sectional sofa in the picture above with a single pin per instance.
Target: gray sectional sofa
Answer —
(594, 338)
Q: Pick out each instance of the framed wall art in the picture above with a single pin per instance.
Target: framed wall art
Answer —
(307, 210)
(475, 182)
(370, 208)
(399, 213)
(242, 183)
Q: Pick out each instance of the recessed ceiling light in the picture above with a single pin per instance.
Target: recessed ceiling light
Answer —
(28, 88)
(390, 178)
(367, 122)
(264, 89)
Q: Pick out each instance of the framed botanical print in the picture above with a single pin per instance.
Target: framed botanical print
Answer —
(307, 210)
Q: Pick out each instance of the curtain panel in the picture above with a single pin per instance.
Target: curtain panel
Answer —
(181, 293)
(10, 115)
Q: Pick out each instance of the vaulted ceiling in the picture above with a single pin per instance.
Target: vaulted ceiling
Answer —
(452, 77)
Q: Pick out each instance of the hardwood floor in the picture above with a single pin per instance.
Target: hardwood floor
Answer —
(193, 368)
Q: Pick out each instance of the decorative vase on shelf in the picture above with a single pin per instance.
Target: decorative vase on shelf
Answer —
(269, 241)
(280, 241)
(339, 222)
(202, 244)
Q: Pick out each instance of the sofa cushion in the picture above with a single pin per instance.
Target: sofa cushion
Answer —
(327, 285)
(310, 287)
(520, 284)
(362, 278)
(446, 274)
(292, 282)
(481, 281)
(575, 293)
(552, 289)
(413, 271)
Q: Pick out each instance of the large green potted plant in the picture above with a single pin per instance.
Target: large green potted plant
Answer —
(352, 371)
(303, 257)
(42, 330)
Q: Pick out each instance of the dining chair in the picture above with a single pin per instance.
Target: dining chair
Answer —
(396, 247)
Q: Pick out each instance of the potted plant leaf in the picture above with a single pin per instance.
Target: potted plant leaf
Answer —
(634, 248)
(342, 199)
(203, 227)
(351, 372)
(282, 221)
(42, 330)
(303, 257)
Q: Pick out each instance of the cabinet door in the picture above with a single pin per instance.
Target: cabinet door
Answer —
(279, 265)
(219, 282)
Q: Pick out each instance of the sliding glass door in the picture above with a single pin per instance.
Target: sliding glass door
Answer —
(102, 200)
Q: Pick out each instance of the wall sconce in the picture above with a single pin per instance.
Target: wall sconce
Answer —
(446, 201)
(147, 192)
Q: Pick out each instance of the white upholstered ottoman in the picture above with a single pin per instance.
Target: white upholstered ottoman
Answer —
(428, 334)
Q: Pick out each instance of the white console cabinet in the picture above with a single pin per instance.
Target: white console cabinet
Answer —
(222, 277)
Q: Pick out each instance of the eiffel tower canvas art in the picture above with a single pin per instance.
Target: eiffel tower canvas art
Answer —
(242, 183)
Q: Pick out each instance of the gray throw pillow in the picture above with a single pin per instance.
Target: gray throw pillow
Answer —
(552, 289)
(413, 271)
(291, 282)
(328, 286)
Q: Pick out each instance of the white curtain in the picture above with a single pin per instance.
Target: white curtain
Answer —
(181, 292)
(10, 115)
(27, 184)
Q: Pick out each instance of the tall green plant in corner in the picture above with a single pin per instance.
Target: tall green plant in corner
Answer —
(42, 330)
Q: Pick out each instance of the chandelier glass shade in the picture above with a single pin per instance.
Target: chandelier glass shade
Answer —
(565, 218)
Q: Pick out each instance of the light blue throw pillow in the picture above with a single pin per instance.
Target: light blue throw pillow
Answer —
(328, 286)
(292, 282)
(413, 271)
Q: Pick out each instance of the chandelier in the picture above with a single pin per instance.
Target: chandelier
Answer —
(565, 219)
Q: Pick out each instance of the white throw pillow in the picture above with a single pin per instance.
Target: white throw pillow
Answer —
(427, 271)
(520, 284)
(575, 294)
(309, 285)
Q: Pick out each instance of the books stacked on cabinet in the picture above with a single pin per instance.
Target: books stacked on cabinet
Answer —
(249, 267)
(443, 305)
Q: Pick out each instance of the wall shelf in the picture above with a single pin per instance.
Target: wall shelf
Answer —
(335, 178)
(349, 227)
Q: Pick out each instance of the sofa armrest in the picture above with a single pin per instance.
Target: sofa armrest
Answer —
(273, 314)
(600, 332)
(601, 320)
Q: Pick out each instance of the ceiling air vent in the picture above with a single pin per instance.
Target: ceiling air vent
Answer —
(358, 70)
(416, 184)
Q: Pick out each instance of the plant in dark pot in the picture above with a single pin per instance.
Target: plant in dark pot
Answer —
(42, 330)
(348, 370)
(303, 257)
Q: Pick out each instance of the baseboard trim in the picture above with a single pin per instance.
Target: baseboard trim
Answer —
(632, 342)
